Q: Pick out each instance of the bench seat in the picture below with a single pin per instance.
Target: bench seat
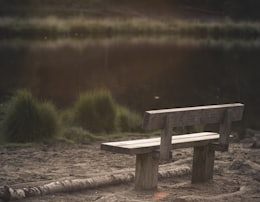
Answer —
(141, 146)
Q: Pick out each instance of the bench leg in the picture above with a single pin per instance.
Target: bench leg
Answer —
(166, 140)
(203, 164)
(146, 171)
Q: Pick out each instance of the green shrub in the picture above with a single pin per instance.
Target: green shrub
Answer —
(128, 121)
(67, 117)
(96, 111)
(79, 135)
(49, 120)
(28, 120)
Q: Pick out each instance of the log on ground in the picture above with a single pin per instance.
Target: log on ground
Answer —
(8, 193)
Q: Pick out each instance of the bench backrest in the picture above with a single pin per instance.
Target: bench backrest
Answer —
(167, 119)
(156, 119)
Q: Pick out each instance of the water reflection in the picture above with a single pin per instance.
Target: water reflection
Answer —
(81, 43)
(141, 73)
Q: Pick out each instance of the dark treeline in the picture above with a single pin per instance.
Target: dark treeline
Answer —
(240, 9)
(235, 9)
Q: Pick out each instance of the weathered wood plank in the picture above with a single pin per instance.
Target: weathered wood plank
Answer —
(166, 141)
(146, 171)
(151, 144)
(156, 119)
(175, 137)
(225, 129)
(203, 164)
(156, 141)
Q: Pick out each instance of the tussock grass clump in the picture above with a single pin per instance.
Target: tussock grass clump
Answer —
(96, 111)
(29, 120)
(127, 120)
(79, 135)
(67, 117)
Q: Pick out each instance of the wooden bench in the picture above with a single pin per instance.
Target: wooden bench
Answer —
(149, 151)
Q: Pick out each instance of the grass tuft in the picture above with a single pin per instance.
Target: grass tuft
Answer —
(80, 135)
(29, 120)
(95, 116)
(127, 120)
(96, 111)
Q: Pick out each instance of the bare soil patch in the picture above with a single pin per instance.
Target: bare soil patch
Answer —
(236, 179)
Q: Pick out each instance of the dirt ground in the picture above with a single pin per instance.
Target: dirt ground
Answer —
(236, 179)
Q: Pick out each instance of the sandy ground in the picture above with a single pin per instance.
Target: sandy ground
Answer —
(236, 179)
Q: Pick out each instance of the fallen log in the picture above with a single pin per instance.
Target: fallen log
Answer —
(8, 193)
(195, 198)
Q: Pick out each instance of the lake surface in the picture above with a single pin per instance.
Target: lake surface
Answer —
(141, 73)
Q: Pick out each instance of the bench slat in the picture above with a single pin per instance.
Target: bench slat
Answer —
(155, 119)
(148, 145)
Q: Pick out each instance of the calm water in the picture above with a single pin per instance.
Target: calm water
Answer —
(141, 74)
